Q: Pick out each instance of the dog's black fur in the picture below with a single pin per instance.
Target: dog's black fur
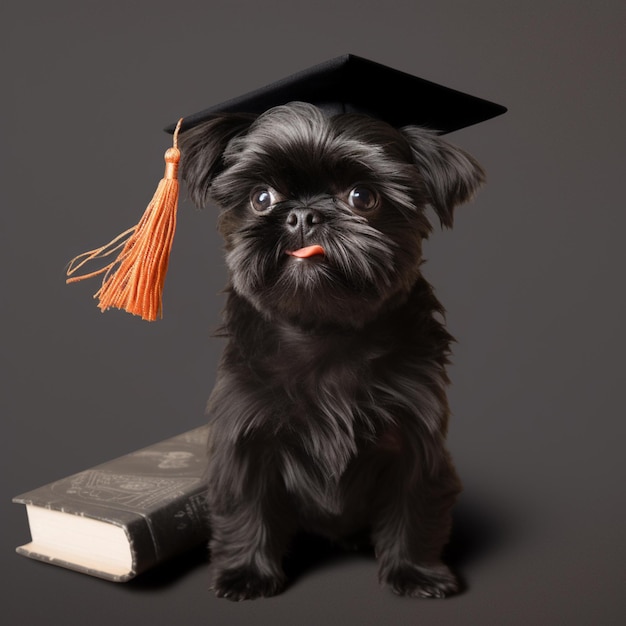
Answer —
(329, 413)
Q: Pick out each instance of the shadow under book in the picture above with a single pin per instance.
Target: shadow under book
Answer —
(125, 516)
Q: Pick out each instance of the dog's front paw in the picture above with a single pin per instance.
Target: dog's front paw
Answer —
(421, 581)
(245, 583)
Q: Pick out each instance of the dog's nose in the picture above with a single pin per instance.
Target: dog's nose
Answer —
(303, 219)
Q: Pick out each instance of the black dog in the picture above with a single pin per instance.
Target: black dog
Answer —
(329, 413)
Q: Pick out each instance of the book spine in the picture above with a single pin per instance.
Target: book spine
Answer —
(169, 531)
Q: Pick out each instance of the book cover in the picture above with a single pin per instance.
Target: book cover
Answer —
(124, 516)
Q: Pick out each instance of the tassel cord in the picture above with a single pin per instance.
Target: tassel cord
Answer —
(99, 253)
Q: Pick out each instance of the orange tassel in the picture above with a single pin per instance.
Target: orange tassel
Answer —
(134, 280)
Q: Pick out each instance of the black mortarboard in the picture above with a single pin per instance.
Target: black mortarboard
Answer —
(351, 84)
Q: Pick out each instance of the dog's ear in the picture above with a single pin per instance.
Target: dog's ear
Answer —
(450, 174)
(202, 149)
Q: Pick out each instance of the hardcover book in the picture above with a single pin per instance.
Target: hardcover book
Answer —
(120, 518)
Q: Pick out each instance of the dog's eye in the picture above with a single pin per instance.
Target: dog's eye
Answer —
(263, 199)
(363, 199)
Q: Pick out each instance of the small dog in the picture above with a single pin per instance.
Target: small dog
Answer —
(329, 413)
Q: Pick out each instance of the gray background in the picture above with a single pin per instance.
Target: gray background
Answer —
(531, 276)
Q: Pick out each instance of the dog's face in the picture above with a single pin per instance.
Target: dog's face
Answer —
(323, 217)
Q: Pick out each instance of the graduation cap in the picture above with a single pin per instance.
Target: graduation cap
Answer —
(347, 84)
(351, 84)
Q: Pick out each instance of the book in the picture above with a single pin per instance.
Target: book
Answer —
(126, 515)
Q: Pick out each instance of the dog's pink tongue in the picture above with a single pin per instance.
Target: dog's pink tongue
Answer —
(304, 253)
